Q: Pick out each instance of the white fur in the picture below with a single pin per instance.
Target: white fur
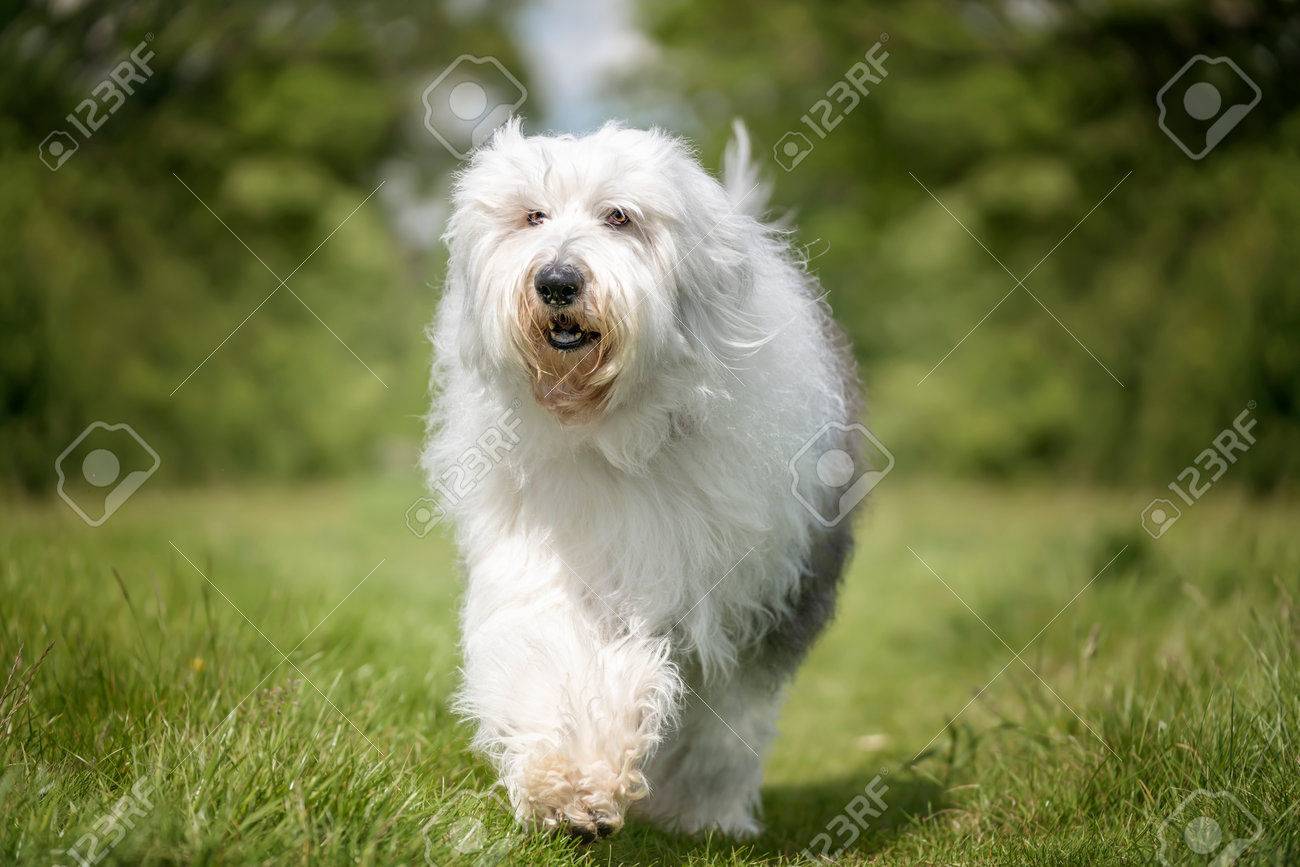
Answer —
(623, 567)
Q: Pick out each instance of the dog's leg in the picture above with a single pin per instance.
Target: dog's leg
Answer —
(707, 775)
(568, 705)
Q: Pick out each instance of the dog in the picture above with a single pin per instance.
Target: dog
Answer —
(642, 575)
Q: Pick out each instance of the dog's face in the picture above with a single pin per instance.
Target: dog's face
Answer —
(569, 254)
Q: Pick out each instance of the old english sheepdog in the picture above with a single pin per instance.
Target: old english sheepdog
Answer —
(630, 366)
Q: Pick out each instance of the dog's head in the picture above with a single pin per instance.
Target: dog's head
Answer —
(590, 265)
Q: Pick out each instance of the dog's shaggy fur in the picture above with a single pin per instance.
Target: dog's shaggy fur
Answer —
(641, 578)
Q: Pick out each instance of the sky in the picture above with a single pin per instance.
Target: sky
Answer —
(572, 47)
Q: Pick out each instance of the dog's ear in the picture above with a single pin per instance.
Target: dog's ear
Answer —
(715, 302)
(457, 333)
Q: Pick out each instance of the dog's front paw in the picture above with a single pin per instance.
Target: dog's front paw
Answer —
(585, 801)
(578, 819)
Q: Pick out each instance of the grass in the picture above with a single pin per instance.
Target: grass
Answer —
(163, 705)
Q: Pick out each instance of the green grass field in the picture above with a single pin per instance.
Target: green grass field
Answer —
(166, 727)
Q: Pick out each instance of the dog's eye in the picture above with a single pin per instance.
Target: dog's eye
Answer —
(617, 219)
(535, 218)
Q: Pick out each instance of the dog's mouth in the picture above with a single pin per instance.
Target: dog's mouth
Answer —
(564, 333)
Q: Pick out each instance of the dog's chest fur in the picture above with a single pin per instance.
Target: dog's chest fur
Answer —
(684, 545)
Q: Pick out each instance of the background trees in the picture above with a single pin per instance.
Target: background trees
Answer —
(1019, 118)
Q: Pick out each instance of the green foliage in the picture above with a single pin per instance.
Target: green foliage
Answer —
(118, 281)
(1185, 282)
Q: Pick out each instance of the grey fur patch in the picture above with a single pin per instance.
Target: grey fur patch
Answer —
(813, 603)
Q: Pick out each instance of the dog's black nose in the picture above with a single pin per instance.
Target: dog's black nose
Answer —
(558, 284)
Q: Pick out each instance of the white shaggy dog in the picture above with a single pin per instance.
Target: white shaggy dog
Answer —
(642, 577)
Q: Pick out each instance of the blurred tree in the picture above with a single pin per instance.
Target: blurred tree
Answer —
(1020, 117)
(1183, 284)
(118, 282)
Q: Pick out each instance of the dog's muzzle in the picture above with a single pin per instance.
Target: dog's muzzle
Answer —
(558, 285)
